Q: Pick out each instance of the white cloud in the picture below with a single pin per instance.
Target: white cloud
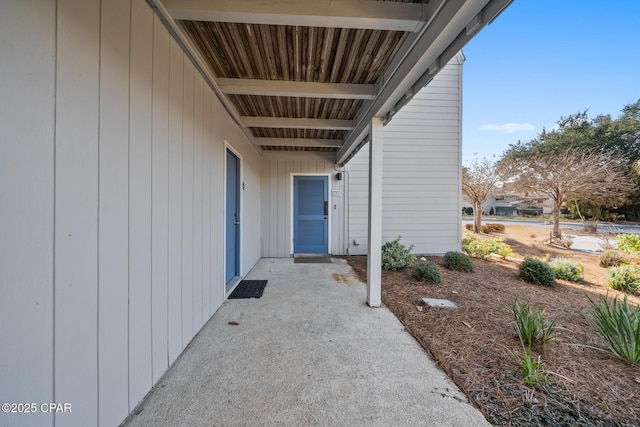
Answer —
(509, 127)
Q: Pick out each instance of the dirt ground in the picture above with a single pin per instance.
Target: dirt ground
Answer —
(476, 344)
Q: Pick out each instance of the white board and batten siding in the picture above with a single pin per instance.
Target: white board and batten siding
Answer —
(111, 206)
(278, 168)
(421, 171)
(27, 189)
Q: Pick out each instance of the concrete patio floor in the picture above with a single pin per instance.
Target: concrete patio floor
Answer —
(310, 352)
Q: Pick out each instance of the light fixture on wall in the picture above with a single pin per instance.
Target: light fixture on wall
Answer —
(339, 176)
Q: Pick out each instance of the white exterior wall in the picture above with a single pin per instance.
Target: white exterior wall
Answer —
(421, 171)
(277, 187)
(111, 206)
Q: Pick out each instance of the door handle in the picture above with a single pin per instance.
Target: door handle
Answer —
(326, 208)
(236, 222)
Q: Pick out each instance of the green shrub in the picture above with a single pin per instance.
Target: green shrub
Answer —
(535, 271)
(612, 258)
(458, 261)
(619, 325)
(396, 255)
(566, 269)
(427, 272)
(481, 248)
(623, 278)
(467, 240)
(531, 326)
(504, 250)
(629, 243)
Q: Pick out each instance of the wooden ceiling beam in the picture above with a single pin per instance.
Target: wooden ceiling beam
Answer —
(363, 14)
(299, 142)
(285, 122)
(296, 89)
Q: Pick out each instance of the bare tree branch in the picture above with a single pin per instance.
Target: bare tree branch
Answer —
(571, 175)
(479, 182)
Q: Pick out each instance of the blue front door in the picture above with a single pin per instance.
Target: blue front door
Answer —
(310, 214)
(232, 265)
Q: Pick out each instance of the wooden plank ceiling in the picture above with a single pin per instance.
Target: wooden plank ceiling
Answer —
(302, 75)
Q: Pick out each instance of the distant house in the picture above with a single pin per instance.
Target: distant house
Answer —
(511, 203)
(503, 205)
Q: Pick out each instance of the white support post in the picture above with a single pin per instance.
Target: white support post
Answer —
(374, 259)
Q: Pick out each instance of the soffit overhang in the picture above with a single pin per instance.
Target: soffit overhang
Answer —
(310, 75)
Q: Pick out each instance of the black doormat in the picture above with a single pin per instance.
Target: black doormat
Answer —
(248, 289)
(312, 260)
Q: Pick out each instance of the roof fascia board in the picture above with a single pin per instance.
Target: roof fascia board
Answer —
(363, 14)
(291, 123)
(486, 16)
(296, 89)
(299, 142)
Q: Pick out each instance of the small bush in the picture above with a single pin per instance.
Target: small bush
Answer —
(606, 243)
(504, 250)
(566, 269)
(427, 272)
(619, 324)
(492, 228)
(624, 278)
(486, 229)
(535, 271)
(482, 248)
(612, 258)
(497, 228)
(469, 227)
(396, 255)
(567, 241)
(458, 261)
(629, 243)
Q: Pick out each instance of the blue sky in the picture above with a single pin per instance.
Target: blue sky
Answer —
(543, 59)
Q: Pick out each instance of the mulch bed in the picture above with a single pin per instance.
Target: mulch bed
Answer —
(476, 345)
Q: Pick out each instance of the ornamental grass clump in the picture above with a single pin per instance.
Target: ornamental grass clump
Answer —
(532, 329)
(427, 272)
(619, 325)
(612, 258)
(396, 256)
(566, 269)
(531, 326)
(535, 271)
(458, 261)
(624, 278)
(534, 375)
